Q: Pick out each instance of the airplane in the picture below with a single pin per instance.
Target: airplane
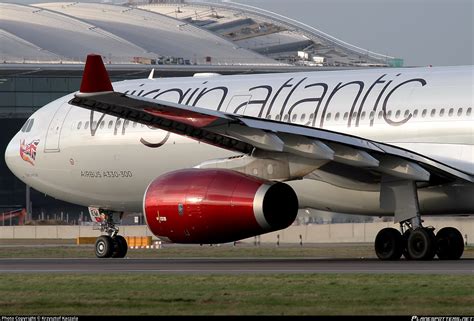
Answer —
(213, 159)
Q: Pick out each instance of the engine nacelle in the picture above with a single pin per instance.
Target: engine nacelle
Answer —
(207, 206)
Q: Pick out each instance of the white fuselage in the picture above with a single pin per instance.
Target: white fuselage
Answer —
(98, 160)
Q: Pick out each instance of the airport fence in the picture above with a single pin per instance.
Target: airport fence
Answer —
(312, 233)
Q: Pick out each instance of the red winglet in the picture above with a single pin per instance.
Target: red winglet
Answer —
(95, 78)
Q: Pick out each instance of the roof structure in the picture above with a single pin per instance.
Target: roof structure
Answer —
(67, 32)
(170, 32)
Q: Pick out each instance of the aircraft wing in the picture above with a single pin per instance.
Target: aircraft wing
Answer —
(246, 134)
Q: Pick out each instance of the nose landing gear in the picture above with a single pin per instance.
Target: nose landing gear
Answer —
(112, 244)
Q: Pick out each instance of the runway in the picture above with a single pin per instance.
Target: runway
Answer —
(234, 266)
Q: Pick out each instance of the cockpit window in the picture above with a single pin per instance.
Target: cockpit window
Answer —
(23, 129)
(30, 125)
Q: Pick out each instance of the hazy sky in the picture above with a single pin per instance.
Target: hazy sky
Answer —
(422, 32)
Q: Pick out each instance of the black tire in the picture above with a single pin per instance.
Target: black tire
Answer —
(389, 244)
(104, 246)
(421, 244)
(406, 235)
(121, 247)
(450, 244)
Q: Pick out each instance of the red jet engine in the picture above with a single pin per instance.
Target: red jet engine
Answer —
(208, 206)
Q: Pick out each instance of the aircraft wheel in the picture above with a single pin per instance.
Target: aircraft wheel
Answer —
(450, 244)
(389, 244)
(121, 247)
(421, 244)
(104, 246)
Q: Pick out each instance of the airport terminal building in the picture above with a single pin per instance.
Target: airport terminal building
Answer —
(43, 47)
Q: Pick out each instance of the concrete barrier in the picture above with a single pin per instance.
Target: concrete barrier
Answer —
(313, 233)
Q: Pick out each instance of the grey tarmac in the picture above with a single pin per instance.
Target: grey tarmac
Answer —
(233, 266)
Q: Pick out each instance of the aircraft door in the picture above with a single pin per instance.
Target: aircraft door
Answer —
(54, 130)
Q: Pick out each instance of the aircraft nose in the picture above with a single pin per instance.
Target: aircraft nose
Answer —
(12, 155)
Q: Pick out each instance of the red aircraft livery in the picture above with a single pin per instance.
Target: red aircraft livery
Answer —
(28, 151)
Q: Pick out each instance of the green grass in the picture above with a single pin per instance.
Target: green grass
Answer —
(363, 250)
(269, 294)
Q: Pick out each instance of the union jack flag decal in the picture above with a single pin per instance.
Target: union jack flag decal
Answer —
(28, 151)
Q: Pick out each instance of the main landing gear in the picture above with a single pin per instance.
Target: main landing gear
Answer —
(419, 243)
(112, 244)
(413, 241)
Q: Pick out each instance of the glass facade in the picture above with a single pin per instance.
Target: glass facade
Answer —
(22, 94)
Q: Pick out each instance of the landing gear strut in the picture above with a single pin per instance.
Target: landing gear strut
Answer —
(112, 244)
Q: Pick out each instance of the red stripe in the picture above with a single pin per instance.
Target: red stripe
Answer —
(184, 116)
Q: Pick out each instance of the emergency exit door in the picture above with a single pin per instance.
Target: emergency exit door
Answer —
(53, 135)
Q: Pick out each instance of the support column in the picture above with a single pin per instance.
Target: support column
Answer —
(29, 214)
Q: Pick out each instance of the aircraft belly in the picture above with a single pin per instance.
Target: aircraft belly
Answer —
(437, 200)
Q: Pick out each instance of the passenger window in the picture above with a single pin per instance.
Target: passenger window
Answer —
(311, 116)
(328, 117)
(118, 123)
(79, 125)
(102, 124)
(415, 113)
(362, 116)
(441, 112)
(303, 116)
(86, 125)
(459, 112)
(371, 115)
(389, 114)
(398, 113)
(125, 124)
(134, 125)
(269, 116)
(346, 114)
(354, 115)
(380, 114)
(407, 112)
(277, 117)
(451, 112)
(94, 124)
(286, 118)
(336, 117)
(423, 114)
(110, 124)
(433, 112)
(468, 113)
(293, 119)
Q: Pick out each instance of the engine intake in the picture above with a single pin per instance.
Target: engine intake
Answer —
(216, 206)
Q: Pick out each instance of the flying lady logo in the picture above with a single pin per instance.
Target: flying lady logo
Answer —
(28, 151)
